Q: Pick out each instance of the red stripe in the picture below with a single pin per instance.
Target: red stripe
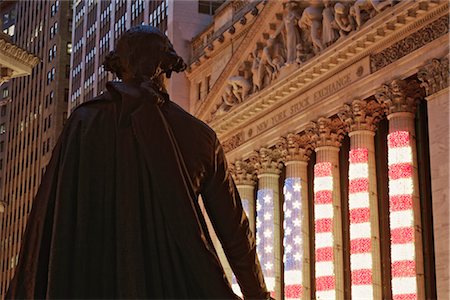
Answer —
(359, 215)
(293, 291)
(362, 277)
(359, 155)
(398, 139)
(404, 297)
(360, 245)
(322, 169)
(323, 197)
(323, 225)
(324, 254)
(405, 268)
(402, 235)
(400, 202)
(401, 170)
(358, 185)
(324, 283)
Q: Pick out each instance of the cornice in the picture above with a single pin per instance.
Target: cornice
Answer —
(385, 29)
(18, 54)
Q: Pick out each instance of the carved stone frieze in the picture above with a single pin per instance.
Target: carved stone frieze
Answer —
(400, 96)
(267, 161)
(17, 53)
(233, 142)
(434, 76)
(244, 173)
(295, 147)
(326, 132)
(409, 44)
(361, 115)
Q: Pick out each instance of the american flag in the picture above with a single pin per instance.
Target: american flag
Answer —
(401, 191)
(265, 235)
(293, 243)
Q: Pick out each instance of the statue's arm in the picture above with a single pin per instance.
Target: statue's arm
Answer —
(224, 207)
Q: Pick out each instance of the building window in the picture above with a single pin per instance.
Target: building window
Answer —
(2, 128)
(209, 7)
(199, 90)
(5, 93)
(2, 146)
(69, 48)
(3, 110)
(208, 83)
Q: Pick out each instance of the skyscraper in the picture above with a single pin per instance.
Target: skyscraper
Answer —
(37, 111)
(98, 25)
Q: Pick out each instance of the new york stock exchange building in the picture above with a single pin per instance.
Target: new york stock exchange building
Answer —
(334, 116)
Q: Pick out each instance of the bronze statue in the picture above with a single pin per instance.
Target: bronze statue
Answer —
(117, 213)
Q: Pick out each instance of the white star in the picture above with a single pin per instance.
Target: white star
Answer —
(258, 206)
(268, 266)
(267, 199)
(296, 204)
(288, 213)
(296, 223)
(268, 249)
(267, 216)
(267, 233)
(297, 240)
(284, 190)
(296, 187)
(288, 249)
(297, 256)
(287, 231)
(288, 196)
(258, 223)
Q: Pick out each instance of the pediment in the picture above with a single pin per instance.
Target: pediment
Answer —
(298, 44)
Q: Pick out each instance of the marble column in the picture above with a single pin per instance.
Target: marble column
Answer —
(268, 217)
(244, 175)
(434, 78)
(327, 134)
(361, 118)
(296, 150)
(399, 98)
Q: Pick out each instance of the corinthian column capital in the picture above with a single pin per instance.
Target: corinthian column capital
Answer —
(326, 132)
(399, 96)
(361, 115)
(295, 147)
(267, 161)
(243, 173)
(434, 76)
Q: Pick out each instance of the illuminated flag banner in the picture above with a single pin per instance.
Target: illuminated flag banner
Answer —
(323, 219)
(293, 245)
(360, 231)
(265, 235)
(401, 189)
(234, 284)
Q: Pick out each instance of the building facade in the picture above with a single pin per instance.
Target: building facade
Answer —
(98, 25)
(334, 119)
(36, 111)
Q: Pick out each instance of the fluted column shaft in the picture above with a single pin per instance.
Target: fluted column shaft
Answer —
(247, 194)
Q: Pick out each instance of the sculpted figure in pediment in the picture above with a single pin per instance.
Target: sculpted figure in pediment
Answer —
(343, 21)
(257, 77)
(372, 7)
(291, 30)
(329, 33)
(271, 61)
(311, 20)
(240, 87)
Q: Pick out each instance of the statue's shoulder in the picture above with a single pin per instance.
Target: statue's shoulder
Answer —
(103, 104)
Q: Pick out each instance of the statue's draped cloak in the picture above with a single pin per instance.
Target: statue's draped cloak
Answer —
(117, 216)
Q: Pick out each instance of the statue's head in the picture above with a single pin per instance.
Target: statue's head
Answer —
(143, 53)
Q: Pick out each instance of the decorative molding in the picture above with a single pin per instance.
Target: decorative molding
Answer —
(410, 44)
(434, 76)
(266, 161)
(326, 132)
(18, 53)
(400, 96)
(295, 147)
(233, 142)
(361, 115)
(244, 173)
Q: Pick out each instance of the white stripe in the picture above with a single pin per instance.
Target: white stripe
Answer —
(237, 289)
(400, 252)
(359, 170)
(270, 283)
(293, 277)
(323, 211)
(361, 261)
(360, 230)
(358, 200)
(404, 285)
(323, 183)
(399, 155)
(401, 219)
(362, 292)
(324, 268)
(402, 186)
(325, 295)
(324, 239)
